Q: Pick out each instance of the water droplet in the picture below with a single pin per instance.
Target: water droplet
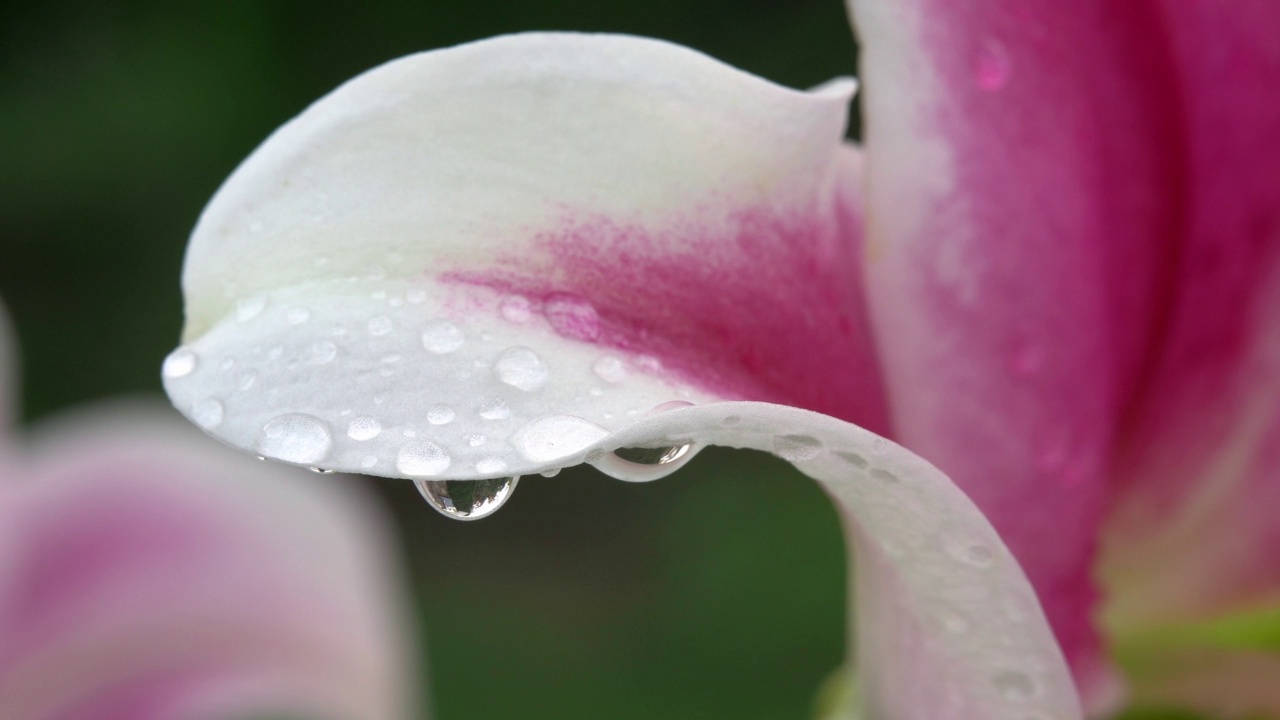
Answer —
(556, 436)
(180, 363)
(250, 308)
(853, 459)
(975, 554)
(796, 448)
(415, 296)
(207, 413)
(494, 409)
(884, 475)
(409, 432)
(467, 499)
(1014, 685)
(296, 438)
(992, 66)
(441, 337)
(550, 473)
(490, 466)
(321, 352)
(653, 456)
(276, 352)
(392, 358)
(379, 325)
(227, 363)
(476, 440)
(516, 309)
(422, 458)
(610, 369)
(320, 471)
(440, 414)
(572, 316)
(368, 461)
(521, 367)
(363, 428)
(246, 379)
(297, 316)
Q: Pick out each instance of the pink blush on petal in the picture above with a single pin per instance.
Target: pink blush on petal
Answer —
(756, 306)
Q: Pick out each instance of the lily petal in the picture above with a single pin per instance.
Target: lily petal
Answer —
(451, 238)
(527, 243)
(1023, 183)
(1195, 532)
(150, 575)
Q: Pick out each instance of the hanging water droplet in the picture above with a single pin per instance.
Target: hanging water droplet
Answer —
(320, 471)
(467, 499)
(522, 368)
(296, 438)
(572, 316)
(653, 456)
(250, 308)
(379, 325)
(422, 458)
(440, 414)
(550, 473)
(363, 428)
(180, 363)
(441, 337)
(207, 413)
(641, 464)
(610, 368)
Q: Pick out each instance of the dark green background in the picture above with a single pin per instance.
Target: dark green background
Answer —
(717, 593)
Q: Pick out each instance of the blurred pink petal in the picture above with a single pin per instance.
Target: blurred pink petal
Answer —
(145, 573)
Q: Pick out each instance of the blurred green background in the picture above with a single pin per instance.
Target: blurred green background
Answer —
(717, 593)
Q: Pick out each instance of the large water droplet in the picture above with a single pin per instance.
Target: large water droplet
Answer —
(207, 413)
(554, 437)
(296, 438)
(441, 337)
(422, 458)
(639, 464)
(467, 499)
(522, 368)
(572, 316)
(610, 369)
(363, 428)
(180, 363)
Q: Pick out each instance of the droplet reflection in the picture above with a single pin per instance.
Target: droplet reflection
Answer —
(467, 499)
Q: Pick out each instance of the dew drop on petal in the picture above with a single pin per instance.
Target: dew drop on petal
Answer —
(297, 316)
(884, 475)
(296, 438)
(321, 352)
(522, 368)
(246, 379)
(553, 437)
(250, 308)
(379, 325)
(368, 461)
(572, 316)
(363, 428)
(476, 440)
(441, 337)
(494, 409)
(976, 554)
(610, 368)
(422, 458)
(467, 499)
(1014, 685)
(416, 296)
(440, 415)
(207, 413)
(516, 309)
(796, 448)
(180, 363)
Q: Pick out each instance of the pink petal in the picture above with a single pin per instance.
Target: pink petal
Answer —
(1024, 183)
(1196, 531)
(149, 574)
